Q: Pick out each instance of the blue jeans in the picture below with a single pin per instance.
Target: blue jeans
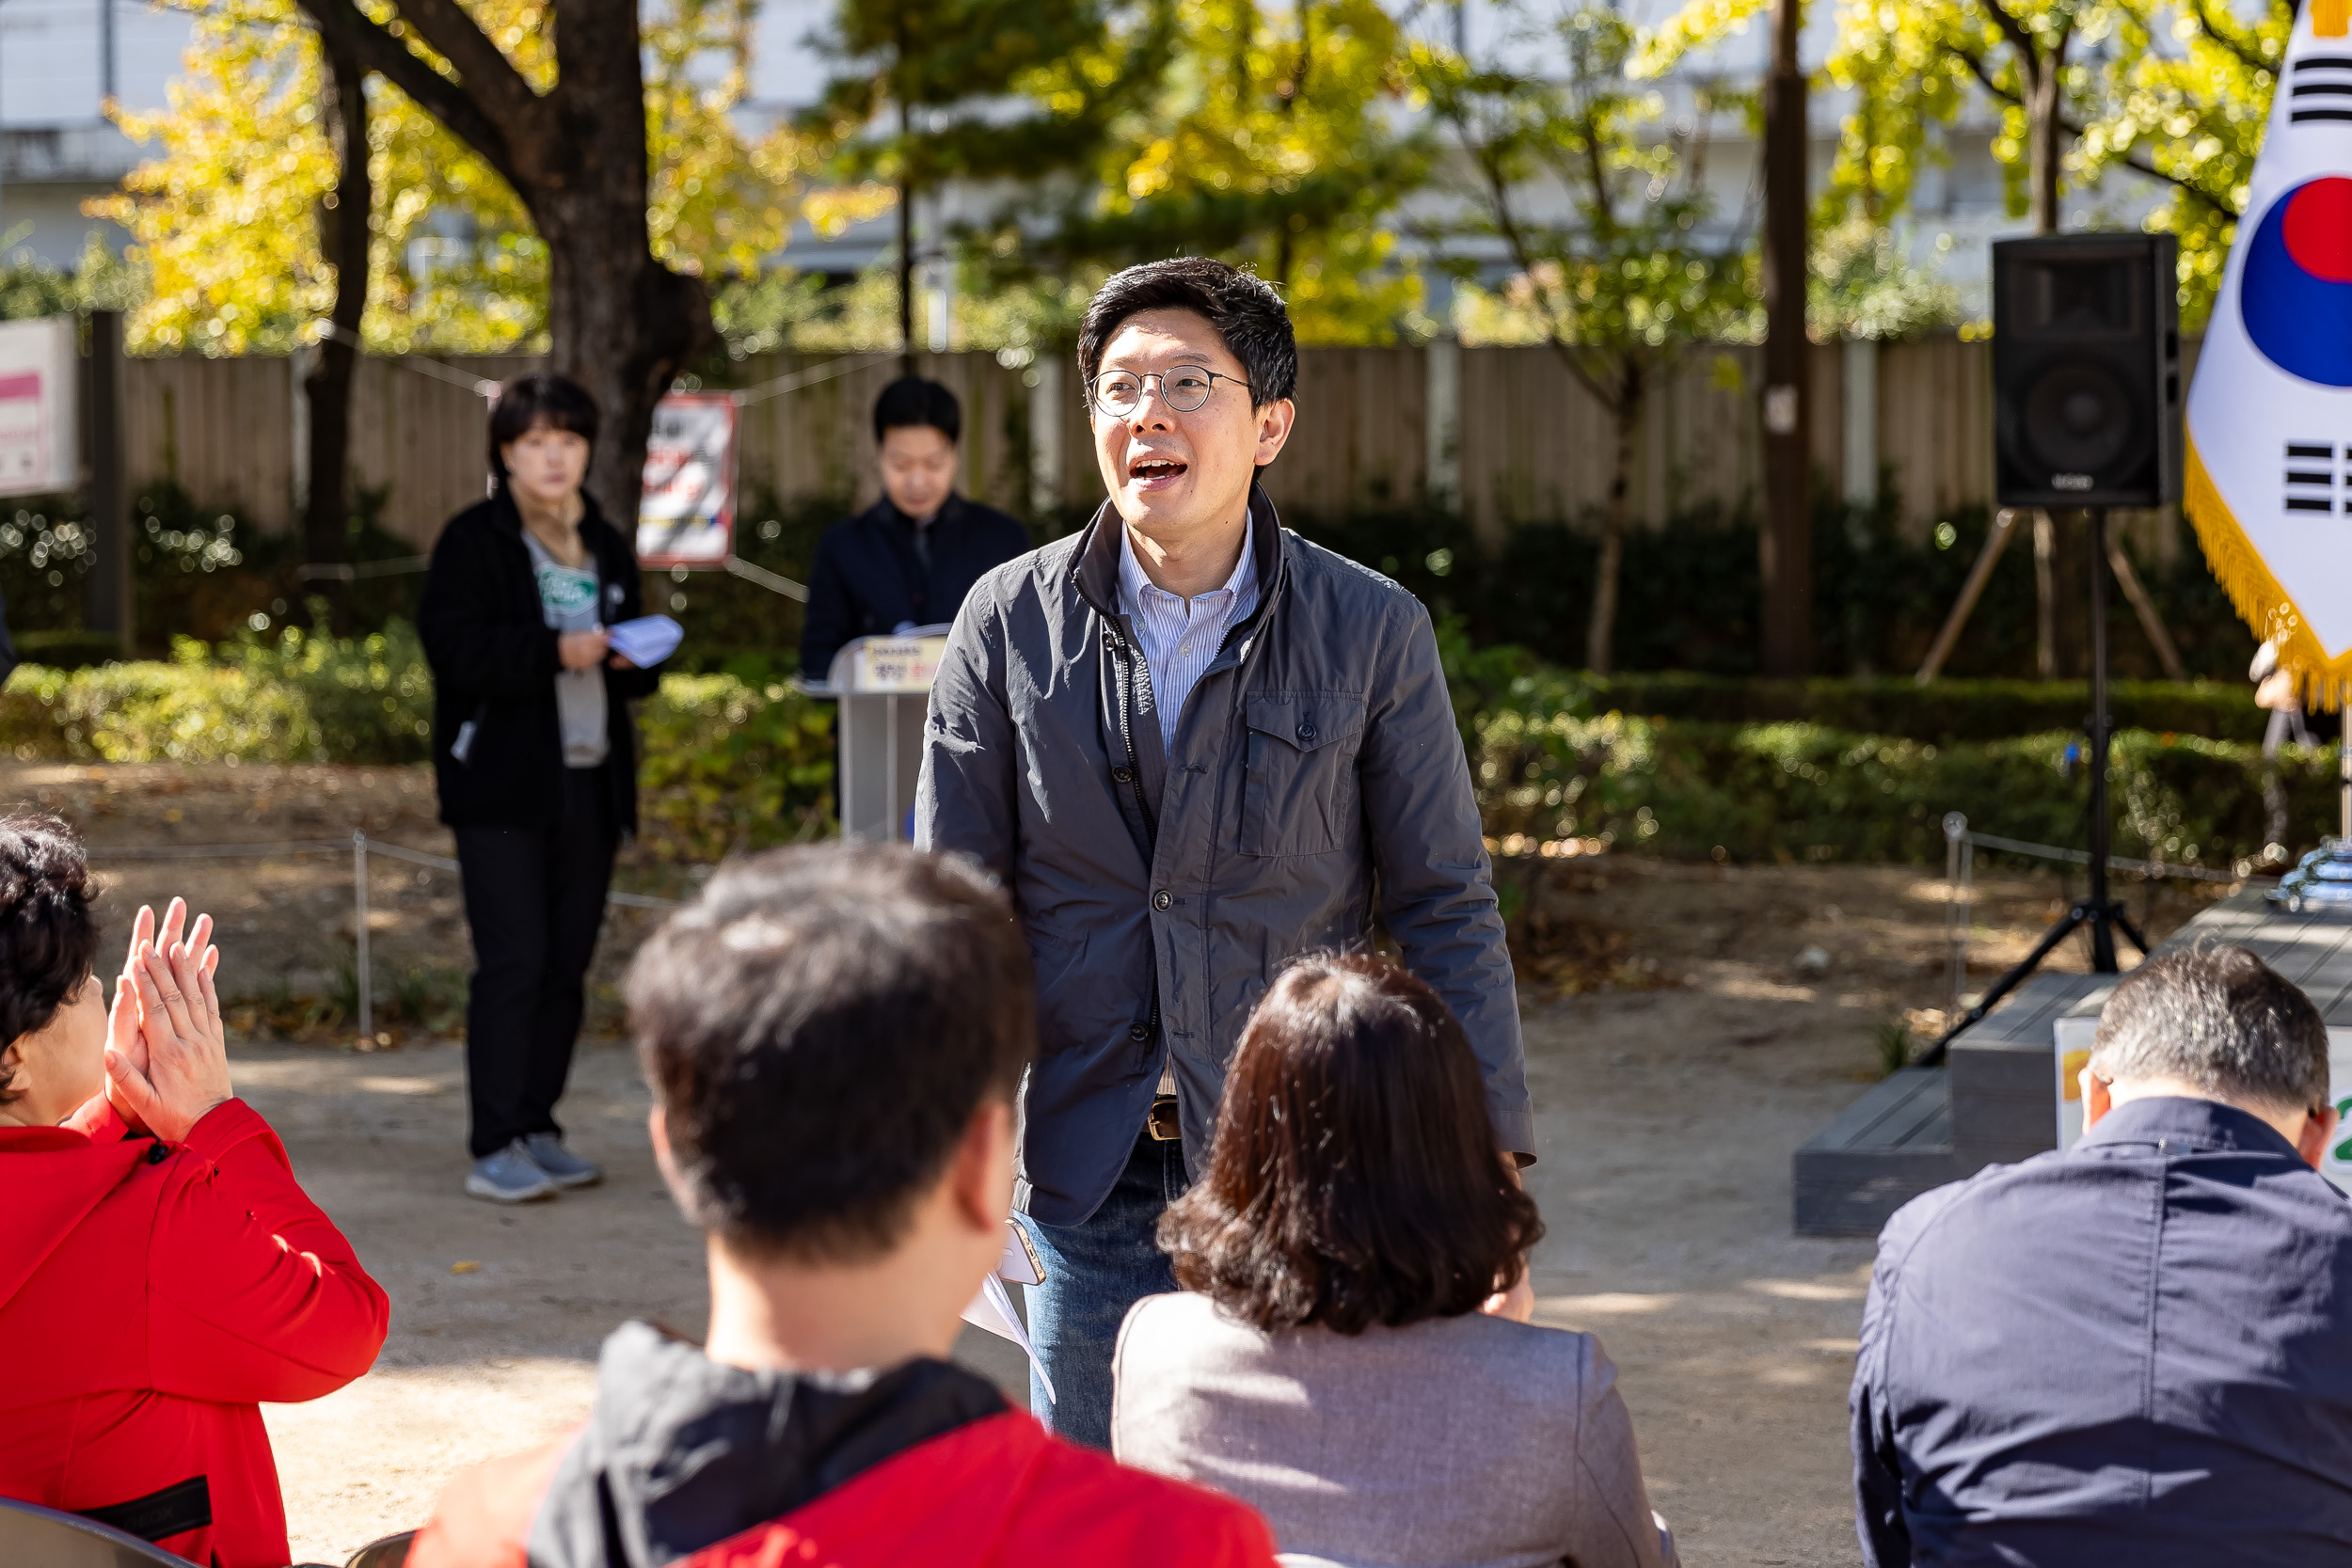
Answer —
(1094, 1270)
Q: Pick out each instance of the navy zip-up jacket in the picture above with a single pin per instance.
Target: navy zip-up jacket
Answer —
(2135, 1351)
(870, 580)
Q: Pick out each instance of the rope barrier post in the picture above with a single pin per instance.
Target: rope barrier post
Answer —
(360, 907)
(1955, 918)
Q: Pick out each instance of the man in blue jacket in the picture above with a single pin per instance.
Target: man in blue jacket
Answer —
(2138, 1350)
(908, 559)
(1194, 747)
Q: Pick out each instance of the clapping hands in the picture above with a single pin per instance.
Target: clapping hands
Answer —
(167, 1054)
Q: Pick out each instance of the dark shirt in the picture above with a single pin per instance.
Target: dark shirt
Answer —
(876, 572)
(2137, 1350)
(494, 662)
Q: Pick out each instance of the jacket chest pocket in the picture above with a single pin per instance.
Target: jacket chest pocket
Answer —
(1298, 790)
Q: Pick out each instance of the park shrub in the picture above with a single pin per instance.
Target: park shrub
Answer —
(737, 759)
(731, 764)
(1799, 791)
(1944, 713)
(295, 699)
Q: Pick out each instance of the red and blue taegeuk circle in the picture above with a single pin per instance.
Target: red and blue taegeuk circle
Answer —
(2296, 292)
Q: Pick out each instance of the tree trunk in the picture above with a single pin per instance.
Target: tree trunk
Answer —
(906, 250)
(1601, 632)
(2057, 617)
(2044, 134)
(906, 278)
(1786, 543)
(343, 237)
(619, 323)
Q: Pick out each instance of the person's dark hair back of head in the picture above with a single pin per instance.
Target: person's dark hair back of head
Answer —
(2222, 1018)
(554, 401)
(48, 937)
(820, 1027)
(913, 401)
(1244, 307)
(1355, 1177)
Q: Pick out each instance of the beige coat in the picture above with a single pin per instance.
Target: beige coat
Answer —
(1470, 1442)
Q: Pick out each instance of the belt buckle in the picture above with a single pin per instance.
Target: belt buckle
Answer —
(1164, 1124)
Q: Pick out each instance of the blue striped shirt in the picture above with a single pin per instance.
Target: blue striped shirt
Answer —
(1182, 636)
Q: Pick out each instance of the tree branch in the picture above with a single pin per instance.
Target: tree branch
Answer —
(2020, 38)
(2234, 46)
(348, 29)
(483, 68)
(1977, 68)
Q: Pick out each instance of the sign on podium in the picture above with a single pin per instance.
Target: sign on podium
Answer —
(883, 684)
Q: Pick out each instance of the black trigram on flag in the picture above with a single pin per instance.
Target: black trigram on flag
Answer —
(2310, 482)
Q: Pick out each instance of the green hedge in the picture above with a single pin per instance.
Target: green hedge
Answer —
(1944, 713)
(734, 763)
(1766, 792)
(728, 765)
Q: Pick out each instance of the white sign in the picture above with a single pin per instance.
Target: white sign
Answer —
(893, 663)
(687, 516)
(39, 445)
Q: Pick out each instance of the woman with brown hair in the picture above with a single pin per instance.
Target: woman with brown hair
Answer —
(1340, 1358)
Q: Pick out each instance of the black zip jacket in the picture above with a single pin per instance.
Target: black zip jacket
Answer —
(869, 581)
(494, 664)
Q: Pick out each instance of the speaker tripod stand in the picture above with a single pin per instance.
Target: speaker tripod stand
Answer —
(2097, 910)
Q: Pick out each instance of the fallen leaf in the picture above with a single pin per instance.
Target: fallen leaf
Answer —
(465, 1268)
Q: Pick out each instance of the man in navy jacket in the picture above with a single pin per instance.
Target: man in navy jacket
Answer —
(2138, 1350)
(908, 559)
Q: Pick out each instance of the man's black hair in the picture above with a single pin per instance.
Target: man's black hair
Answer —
(1244, 307)
(820, 1028)
(554, 401)
(913, 401)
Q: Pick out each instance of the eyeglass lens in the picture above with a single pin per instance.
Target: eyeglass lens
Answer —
(1184, 389)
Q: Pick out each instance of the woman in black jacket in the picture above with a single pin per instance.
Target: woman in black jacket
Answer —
(534, 751)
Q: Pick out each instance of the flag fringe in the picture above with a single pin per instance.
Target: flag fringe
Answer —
(2256, 595)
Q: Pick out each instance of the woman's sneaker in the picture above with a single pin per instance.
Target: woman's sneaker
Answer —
(564, 1167)
(509, 1175)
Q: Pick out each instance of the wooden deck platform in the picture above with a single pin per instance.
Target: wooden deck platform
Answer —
(1996, 1100)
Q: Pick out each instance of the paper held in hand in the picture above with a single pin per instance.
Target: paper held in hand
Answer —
(646, 641)
(991, 1309)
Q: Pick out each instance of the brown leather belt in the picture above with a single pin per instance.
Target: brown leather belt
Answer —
(1164, 1125)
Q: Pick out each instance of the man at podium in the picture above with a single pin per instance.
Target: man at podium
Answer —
(908, 559)
(1186, 740)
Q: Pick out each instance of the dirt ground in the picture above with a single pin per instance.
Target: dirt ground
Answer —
(1687, 1027)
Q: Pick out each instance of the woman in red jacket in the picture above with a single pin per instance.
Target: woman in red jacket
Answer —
(161, 1272)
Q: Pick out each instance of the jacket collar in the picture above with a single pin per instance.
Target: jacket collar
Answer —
(886, 511)
(2174, 1124)
(681, 1452)
(508, 517)
(1094, 565)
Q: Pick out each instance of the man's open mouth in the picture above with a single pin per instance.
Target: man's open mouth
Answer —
(1156, 467)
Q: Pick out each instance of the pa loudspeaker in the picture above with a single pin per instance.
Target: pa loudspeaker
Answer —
(2085, 371)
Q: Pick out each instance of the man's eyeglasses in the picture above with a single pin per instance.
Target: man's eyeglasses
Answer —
(1184, 388)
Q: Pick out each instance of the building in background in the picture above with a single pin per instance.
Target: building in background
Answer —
(60, 61)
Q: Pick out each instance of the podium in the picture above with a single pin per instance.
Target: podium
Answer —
(883, 684)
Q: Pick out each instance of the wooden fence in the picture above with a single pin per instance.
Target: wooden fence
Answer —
(1529, 443)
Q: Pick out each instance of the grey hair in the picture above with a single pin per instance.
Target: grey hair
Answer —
(2222, 1018)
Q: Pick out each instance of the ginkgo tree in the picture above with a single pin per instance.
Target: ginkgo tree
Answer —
(227, 218)
(2184, 101)
(1267, 135)
(1628, 280)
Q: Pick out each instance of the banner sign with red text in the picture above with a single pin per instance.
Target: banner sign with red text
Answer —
(687, 516)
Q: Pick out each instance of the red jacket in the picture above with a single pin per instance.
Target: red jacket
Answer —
(150, 1297)
(924, 1466)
